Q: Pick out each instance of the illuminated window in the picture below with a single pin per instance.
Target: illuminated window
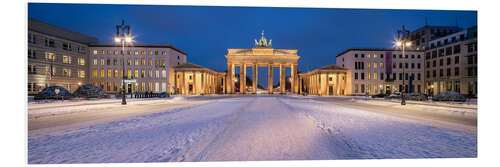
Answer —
(136, 73)
(116, 73)
(94, 73)
(164, 73)
(368, 64)
(81, 74)
(129, 74)
(81, 61)
(102, 73)
(374, 55)
(143, 52)
(374, 65)
(375, 75)
(136, 62)
(50, 56)
(150, 52)
(381, 65)
(157, 74)
(136, 52)
(95, 61)
(101, 52)
(368, 56)
(102, 61)
(150, 62)
(143, 62)
(66, 72)
(66, 59)
(109, 73)
(150, 73)
(368, 76)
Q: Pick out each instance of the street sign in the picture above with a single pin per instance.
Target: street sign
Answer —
(130, 81)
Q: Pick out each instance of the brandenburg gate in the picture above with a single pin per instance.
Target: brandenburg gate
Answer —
(261, 55)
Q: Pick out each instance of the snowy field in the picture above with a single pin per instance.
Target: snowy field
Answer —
(251, 128)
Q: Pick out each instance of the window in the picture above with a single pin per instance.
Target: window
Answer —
(31, 54)
(470, 59)
(362, 55)
(66, 72)
(368, 76)
(374, 65)
(381, 56)
(50, 56)
(457, 59)
(362, 76)
(129, 74)
(116, 73)
(456, 49)
(355, 55)
(448, 61)
(406, 65)
(136, 62)
(150, 52)
(94, 73)
(136, 73)
(375, 76)
(434, 54)
(157, 74)
(150, 73)
(143, 52)
(400, 76)
(428, 64)
(50, 43)
(102, 73)
(81, 61)
(434, 73)
(448, 51)
(440, 72)
(136, 52)
(381, 65)
(115, 62)
(95, 61)
(95, 52)
(412, 65)
(101, 52)
(457, 86)
(81, 73)
(448, 72)
(470, 71)
(418, 65)
(164, 73)
(440, 62)
(381, 76)
(368, 65)
(102, 61)
(368, 56)
(441, 52)
(31, 69)
(129, 62)
(109, 73)
(66, 46)
(66, 59)
(457, 71)
(150, 63)
(143, 73)
(355, 76)
(108, 62)
(31, 38)
(470, 48)
(374, 55)
(418, 76)
(434, 63)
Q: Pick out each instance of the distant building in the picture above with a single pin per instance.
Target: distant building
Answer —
(451, 63)
(376, 71)
(149, 67)
(420, 37)
(56, 56)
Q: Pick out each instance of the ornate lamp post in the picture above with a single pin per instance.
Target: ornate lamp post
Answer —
(402, 43)
(123, 37)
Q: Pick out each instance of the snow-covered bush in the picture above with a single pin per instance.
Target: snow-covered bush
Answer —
(54, 92)
(90, 91)
(449, 96)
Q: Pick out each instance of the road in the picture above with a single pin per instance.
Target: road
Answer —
(253, 128)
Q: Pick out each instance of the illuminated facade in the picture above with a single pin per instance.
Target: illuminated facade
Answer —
(377, 71)
(148, 67)
(451, 63)
(56, 56)
(331, 80)
(192, 79)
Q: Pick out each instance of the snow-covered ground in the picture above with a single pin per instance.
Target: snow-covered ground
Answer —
(251, 128)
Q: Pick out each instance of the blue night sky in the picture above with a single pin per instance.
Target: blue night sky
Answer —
(206, 33)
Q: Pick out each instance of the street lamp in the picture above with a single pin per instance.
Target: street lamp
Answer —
(123, 37)
(402, 43)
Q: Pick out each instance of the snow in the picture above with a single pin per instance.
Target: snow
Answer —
(250, 128)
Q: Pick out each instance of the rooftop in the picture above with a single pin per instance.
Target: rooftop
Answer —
(370, 49)
(55, 31)
(142, 45)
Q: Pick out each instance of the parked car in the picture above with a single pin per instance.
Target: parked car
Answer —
(395, 95)
(449, 96)
(163, 95)
(416, 96)
(380, 95)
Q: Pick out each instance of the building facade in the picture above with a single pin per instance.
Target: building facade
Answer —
(421, 37)
(451, 63)
(56, 57)
(192, 79)
(148, 67)
(330, 80)
(377, 71)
